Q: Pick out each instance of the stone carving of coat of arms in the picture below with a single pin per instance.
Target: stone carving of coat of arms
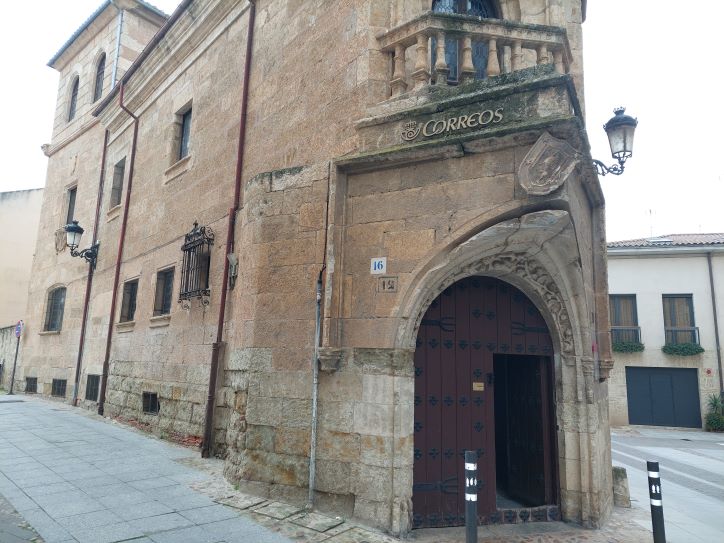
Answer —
(547, 166)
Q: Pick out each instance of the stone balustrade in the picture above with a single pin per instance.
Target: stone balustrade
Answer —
(508, 45)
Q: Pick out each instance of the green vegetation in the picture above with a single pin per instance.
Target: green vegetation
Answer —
(715, 416)
(627, 346)
(683, 349)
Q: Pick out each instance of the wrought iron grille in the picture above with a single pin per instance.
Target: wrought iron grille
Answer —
(91, 387)
(31, 385)
(196, 262)
(58, 388)
(683, 334)
(626, 334)
(150, 403)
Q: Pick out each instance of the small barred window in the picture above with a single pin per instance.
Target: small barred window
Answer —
(196, 262)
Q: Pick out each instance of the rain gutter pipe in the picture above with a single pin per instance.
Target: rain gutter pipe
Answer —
(215, 347)
(119, 256)
(91, 268)
(716, 324)
(315, 359)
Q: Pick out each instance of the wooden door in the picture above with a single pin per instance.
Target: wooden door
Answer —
(460, 333)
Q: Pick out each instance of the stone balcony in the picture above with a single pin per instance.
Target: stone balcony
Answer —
(418, 49)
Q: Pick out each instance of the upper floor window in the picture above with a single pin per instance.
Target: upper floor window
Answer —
(183, 148)
(453, 46)
(624, 319)
(54, 310)
(196, 262)
(679, 319)
(100, 73)
(128, 303)
(73, 99)
(70, 208)
(164, 292)
(119, 171)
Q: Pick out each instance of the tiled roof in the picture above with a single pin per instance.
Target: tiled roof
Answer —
(672, 240)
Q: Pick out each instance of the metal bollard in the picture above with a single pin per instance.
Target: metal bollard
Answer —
(471, 497)
(657, 509)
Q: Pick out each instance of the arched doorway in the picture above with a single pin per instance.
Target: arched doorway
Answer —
(483, 382)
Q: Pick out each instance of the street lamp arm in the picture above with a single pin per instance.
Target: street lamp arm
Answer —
(90, 254)
(602, 169)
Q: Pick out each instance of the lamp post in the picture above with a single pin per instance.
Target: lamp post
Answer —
(73, 233)
(620, 130)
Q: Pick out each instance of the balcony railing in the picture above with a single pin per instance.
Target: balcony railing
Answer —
(625, 334)
(507, 43)
(677, 336)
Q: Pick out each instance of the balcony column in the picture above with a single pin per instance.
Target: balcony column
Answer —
(467, 68)
(421, 76)
(516, 60)
(398, 84)
(493, 62)
(558, 61)
(442, 71)
(543, 57)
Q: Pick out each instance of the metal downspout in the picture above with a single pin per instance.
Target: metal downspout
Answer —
(716, 324)
(216, 346)
(119, 256)
(91, 268)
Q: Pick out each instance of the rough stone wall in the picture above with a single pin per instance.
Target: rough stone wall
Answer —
(7, 355)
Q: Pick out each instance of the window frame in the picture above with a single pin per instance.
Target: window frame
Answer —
(100, 76)
(56, 388)
(149, 400)
(129, 300)
(196, 263)
(184, 134)
(54, 309)
(163, 305)
(34, 388)
(71, 197)
(674, 329)
(73, 102)
(119, 176)
(92, 387)
(621, 332)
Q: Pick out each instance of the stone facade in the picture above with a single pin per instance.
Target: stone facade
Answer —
(490, 177)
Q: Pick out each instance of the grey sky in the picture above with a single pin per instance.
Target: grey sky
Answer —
(639, 54)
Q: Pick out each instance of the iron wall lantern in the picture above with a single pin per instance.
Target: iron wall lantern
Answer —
(620, 130)
(73, 233)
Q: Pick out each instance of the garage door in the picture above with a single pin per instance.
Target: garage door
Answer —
(663, 397)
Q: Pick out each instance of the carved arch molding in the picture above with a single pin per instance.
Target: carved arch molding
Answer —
(533, 278)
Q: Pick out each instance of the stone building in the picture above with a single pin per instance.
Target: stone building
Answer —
(305, 211)
(666, 298)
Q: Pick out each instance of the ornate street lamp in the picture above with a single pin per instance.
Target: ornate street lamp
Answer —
(620, 130)
(73, 233)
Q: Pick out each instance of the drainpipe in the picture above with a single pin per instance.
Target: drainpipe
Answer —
(119, 256)
(215, 347)
(716, 324)
(89, 280)
(315, 359)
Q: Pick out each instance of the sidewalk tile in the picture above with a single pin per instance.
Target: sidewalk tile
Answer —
(161, 523)
(278, 510)
(212, 513)
(316, 521)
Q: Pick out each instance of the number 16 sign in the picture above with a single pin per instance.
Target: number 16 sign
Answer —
(378, 265)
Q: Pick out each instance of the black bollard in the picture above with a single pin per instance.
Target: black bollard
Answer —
(657, 508)
(471, 497)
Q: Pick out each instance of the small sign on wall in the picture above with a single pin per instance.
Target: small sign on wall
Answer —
(378, 265)
(387, 284)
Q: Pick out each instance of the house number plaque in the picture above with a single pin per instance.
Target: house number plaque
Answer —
(387, 284)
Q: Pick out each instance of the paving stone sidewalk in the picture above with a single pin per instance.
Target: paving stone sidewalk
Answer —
(75, 477)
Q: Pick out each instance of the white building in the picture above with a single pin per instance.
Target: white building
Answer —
(665, 291)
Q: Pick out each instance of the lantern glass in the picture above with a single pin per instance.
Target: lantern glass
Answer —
(73, 233)
(620, 130)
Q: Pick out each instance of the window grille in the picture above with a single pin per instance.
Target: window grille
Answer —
(119, 171)
(92, 386)
(73, 100)
(69, 216)
(185, 134)
(128, 305)
(54, 310)
(31, 385)
(164, 292)
(58, 388)
(150, 403)
(100, 72)
(196, 262)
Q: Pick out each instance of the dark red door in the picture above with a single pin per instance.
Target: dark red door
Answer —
(460, 333)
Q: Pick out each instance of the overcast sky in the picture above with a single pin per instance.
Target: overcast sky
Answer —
(643, 55)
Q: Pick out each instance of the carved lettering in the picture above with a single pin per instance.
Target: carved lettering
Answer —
(498, 115)
(435, 127)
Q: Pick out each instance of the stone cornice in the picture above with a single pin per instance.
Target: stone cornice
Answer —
(179, 48)
(49, 149)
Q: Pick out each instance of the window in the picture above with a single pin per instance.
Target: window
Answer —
(164, 292)
(119, 171)
(453, 47)
(100, 72)
(679, 319)
(91, 387)
(183, 148)
(54, 310)
(70, 214)
(31, 385)
(196, 262)
(128, 305)
(624, 319)
(150, 403)
(58, 388)
(73, 100)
